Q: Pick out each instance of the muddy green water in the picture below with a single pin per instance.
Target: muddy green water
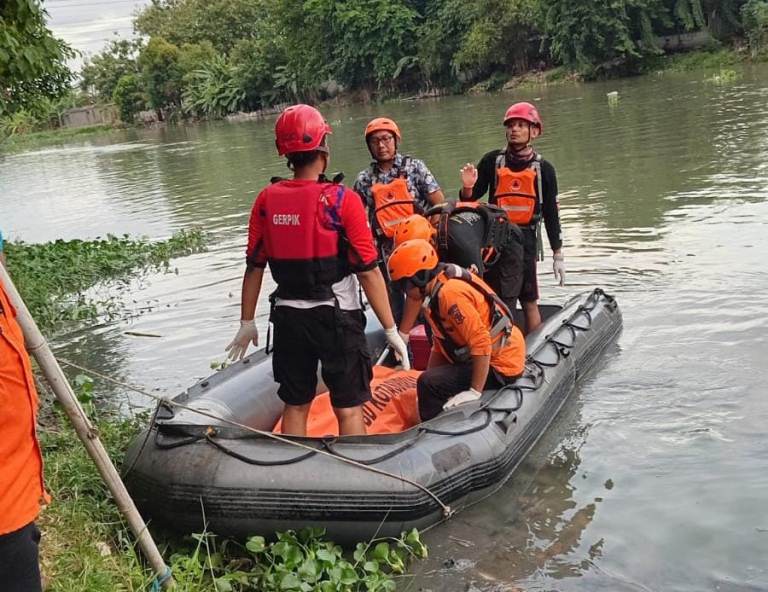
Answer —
(655, 475)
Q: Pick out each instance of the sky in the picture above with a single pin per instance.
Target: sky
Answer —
(88, 25)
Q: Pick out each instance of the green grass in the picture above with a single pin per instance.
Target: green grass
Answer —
(23, 142)
(695, 60)
(54, 278)
(87, 546)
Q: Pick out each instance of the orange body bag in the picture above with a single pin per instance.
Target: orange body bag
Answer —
(516, 194)
(392, 203)
(393, 406)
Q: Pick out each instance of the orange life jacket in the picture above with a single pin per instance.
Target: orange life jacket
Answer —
(392, 203)
(516, 192)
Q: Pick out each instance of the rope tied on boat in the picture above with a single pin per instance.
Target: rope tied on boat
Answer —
(447, 511)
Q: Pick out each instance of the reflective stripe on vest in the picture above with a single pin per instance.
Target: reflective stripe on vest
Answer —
(304, 240)
(501, 321)
(516, 191)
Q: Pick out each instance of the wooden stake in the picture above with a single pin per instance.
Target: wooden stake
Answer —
(38, 347)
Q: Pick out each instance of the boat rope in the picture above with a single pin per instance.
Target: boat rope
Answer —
(447, 511)
(586, 308)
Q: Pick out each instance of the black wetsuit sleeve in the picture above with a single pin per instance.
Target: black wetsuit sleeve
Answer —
(486, 177)
(550, 210)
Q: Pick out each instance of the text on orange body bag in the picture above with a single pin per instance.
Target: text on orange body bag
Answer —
(393, 407)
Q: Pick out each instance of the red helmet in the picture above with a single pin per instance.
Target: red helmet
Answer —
(526, 112)
(300, 128)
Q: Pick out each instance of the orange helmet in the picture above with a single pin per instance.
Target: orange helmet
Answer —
(412, 260)
(414, 226)
(382, 124)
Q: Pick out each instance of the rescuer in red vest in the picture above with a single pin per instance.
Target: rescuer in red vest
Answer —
(314, 235)
(518, 180)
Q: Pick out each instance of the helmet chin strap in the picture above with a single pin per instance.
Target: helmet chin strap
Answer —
(526, 146)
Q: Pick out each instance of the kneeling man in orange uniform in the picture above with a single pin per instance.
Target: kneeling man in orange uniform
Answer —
(476, 345)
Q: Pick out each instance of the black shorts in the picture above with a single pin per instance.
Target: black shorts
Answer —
(505, 276)
(19, 567)
(333, 337)
(529, 292)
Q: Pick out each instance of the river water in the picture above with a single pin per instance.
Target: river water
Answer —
(655, 475)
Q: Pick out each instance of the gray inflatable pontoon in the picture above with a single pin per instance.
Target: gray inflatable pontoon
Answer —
(246, 484)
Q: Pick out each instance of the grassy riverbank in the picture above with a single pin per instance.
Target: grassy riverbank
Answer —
(86, 545)
(23, 142)
(55, 279)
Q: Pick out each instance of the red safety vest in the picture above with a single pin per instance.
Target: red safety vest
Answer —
(304, 240)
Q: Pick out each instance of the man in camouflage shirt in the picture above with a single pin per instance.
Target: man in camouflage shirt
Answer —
(397, 178)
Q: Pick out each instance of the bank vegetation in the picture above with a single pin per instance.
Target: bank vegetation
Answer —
(194, 59)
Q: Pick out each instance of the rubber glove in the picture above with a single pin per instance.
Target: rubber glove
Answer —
(466, 396)
(239, 344)
(404, 336)
(558, 266)
(398, 346)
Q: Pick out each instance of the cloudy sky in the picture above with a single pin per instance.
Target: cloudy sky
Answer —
(87, 25)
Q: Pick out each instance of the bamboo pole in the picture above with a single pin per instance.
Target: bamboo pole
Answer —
(38, 347)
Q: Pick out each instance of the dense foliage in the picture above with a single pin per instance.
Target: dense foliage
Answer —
(209, 58)
(32, 60)
(56, 278)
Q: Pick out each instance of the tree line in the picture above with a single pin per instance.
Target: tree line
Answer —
(208, 58)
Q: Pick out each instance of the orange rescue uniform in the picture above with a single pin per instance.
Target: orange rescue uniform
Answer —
(465, 314)
(21, 464)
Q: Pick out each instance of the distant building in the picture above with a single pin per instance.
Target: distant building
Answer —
(90, 115)
(684, 41)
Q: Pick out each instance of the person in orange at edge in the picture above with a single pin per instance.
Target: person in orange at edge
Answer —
(314, 235)
(21, 464)
(525, 186)
(393, 187)
(476, 345)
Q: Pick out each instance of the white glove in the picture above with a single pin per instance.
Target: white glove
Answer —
(239, 344)
(404, 336)
(463, 397)
(558, 266)
(398, 346)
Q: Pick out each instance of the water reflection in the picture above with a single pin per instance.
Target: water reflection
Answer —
(538, 524)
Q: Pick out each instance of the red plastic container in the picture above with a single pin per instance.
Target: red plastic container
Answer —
(419, 347)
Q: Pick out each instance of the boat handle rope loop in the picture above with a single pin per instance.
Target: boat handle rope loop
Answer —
(447, 511)
(562, 350)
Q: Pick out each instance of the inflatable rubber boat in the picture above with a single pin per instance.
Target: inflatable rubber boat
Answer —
(187, 470)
